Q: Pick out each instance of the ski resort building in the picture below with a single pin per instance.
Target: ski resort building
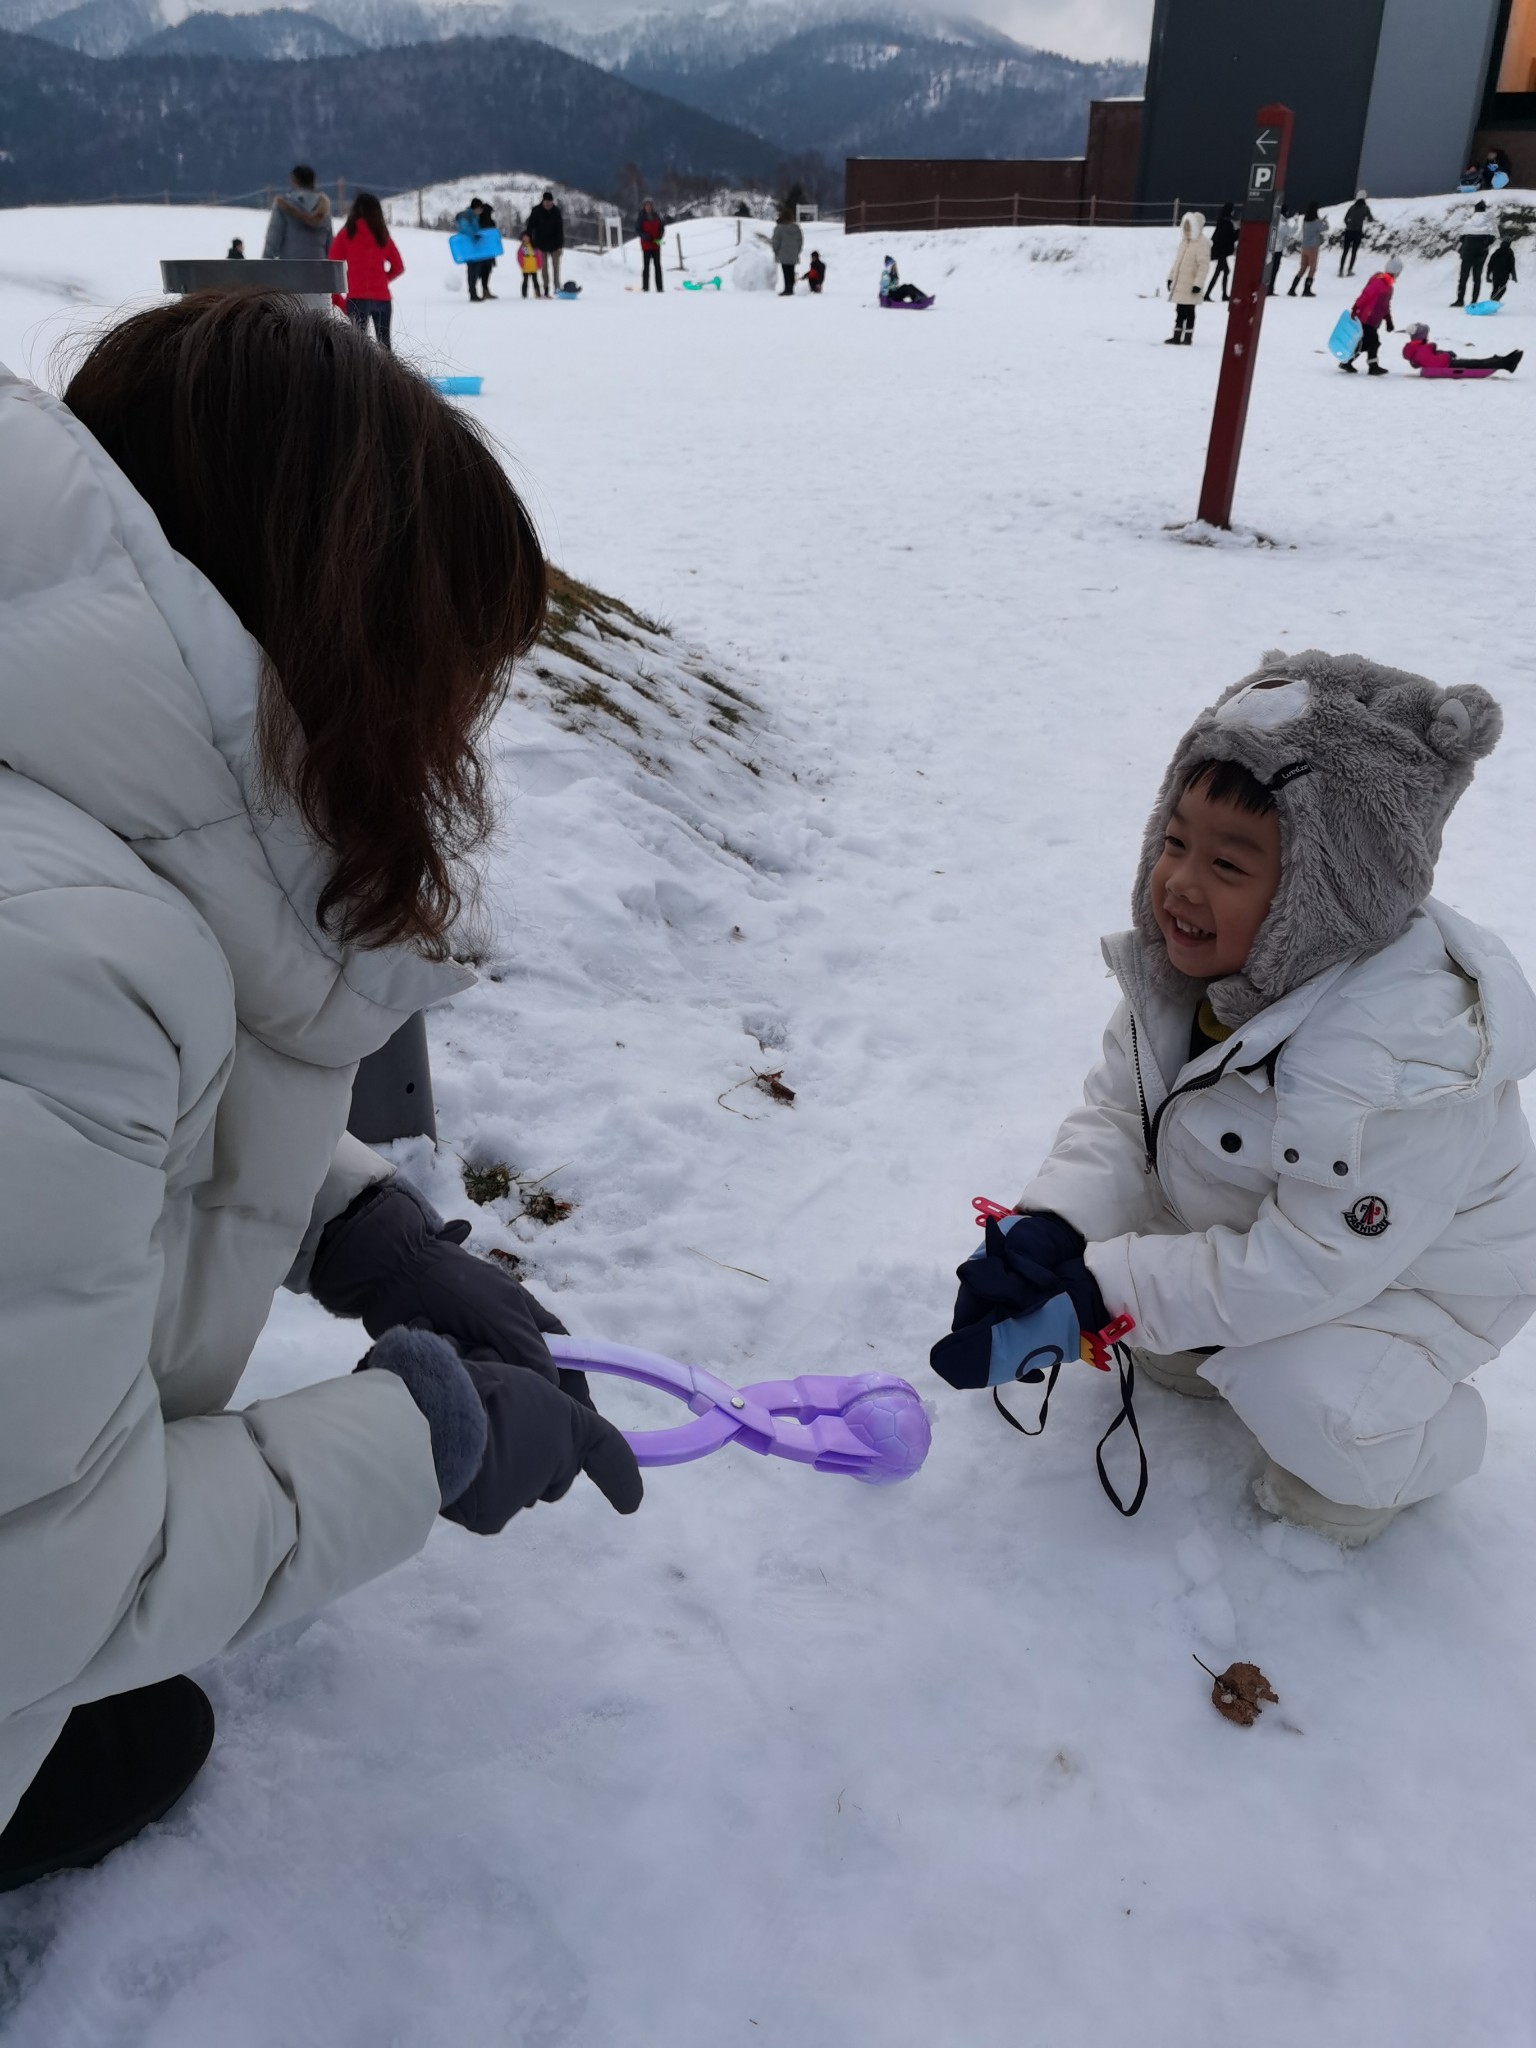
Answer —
(1393, 95)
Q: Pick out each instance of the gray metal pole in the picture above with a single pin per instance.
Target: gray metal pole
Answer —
(392, 1095)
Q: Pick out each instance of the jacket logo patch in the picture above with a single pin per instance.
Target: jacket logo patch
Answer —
(1368, 1218)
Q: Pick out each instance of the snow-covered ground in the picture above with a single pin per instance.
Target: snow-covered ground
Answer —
(784, 1760)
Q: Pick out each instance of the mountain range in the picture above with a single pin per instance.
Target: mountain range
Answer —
(74, 127)
(111, 96)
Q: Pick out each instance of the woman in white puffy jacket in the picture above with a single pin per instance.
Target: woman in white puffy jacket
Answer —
(1304, 1171)
(258, 595)
(1186, 278)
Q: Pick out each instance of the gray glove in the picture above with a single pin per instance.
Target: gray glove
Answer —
(391, 1259)
(503, 1438)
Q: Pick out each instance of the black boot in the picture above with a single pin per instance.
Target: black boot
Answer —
(1513, 360)
(1292, 292)
(119, 1765)
(1307, 291)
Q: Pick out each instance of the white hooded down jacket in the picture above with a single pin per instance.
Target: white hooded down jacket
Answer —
(1191, 262)
(177, 1045)
(1357, 1150)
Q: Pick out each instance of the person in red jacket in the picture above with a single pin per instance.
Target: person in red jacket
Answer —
(1371, 309)
(364, 244)
(1424, 356)
(650, 227)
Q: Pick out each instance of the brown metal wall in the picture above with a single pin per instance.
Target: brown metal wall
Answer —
(891, 193)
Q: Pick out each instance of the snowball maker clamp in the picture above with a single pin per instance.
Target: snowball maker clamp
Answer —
(871, 1426)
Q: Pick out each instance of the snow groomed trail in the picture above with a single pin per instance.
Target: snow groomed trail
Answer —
(783, 1760)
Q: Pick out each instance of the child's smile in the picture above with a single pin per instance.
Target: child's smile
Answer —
(1213, 882)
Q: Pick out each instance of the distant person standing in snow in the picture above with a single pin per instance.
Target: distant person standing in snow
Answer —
(487, 264)
(300, 225)
(1284, 239)
(1223, 247)
(1356, 216)
(1501, 265)
(528, 262)
(650, 228)
(222, 889)
(546, 230)
(815, 272)
(1475, 247)
(788, 241)
(367, 248)
(1313, 229)
(1373, 309)
(236, 251)
(1186, 280)
(473, 220)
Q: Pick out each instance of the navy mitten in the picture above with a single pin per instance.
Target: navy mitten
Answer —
(1025, 1290)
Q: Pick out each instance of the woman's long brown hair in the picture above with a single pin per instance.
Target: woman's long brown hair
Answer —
(370, 541)
(367, 212)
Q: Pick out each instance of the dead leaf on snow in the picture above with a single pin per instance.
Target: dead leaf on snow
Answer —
(1237, 1691)
(773, 1084)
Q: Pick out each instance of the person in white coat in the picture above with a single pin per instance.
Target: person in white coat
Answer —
(257, 600)
(1302, 1168)
(1186, 278)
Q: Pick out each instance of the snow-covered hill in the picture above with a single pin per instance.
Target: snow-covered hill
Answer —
(786, 1761)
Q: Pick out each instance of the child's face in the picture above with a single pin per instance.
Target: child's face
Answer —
(1213, 883)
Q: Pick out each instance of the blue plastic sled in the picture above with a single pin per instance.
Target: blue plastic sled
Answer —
(1345, 338)
(1500, 180)
(457, 387)
(567, 291)
(701, 285)
(1484, 306)
(475, 248)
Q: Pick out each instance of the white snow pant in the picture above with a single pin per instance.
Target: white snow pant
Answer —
(1364, 1415)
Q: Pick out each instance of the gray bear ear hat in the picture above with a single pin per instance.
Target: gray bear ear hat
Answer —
(1365, 764)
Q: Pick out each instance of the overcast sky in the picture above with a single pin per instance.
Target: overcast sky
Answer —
(1080, 28)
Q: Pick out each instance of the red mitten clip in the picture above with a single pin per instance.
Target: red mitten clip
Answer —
(1096, 1345)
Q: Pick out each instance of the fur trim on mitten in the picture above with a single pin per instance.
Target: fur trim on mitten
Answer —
(437, 1381)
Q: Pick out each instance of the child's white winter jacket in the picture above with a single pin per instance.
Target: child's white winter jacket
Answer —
(1355, 1151)
(1192, 261)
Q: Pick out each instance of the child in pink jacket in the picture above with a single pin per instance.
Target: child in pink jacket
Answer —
(1430, 361)
(1371, 309)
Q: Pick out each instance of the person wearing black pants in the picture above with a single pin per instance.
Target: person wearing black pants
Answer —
(1355, 218)
(1475, 248)
(377, 313)
(1223, 245)
(650, 228)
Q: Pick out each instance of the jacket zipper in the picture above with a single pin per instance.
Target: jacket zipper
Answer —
(1151, 1125)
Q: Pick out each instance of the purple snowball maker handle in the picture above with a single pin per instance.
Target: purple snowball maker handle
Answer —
(871, 1426)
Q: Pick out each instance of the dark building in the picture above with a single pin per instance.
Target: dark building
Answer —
(1392, 95)
(884, 194)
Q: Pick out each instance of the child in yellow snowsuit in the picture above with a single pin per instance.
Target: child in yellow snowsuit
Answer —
(530, 263)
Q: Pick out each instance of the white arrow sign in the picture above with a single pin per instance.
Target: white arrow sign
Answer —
(1265, 141)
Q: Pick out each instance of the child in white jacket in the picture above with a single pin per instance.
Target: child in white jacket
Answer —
(1302, 1168)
